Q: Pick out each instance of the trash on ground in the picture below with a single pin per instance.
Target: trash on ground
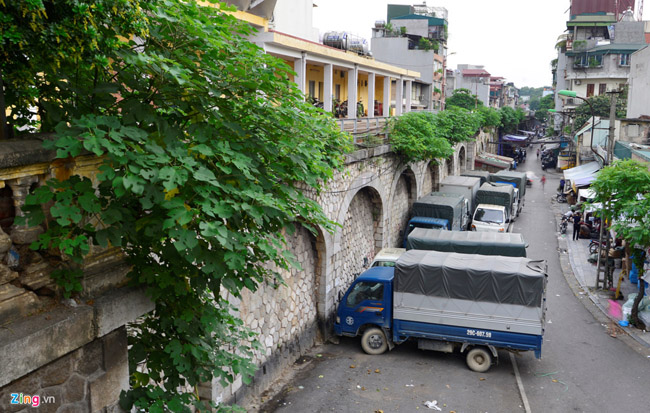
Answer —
(433, 405)
(409, 385)
(352, 366)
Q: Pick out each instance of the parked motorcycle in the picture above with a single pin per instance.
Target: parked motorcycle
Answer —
(561, 198)
(563, 224)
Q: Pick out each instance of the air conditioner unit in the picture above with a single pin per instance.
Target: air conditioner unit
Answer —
(577, 81)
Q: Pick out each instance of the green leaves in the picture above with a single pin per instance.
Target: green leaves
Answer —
(420, 136)
(203, 153)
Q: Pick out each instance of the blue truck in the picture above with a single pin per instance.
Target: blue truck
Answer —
(469, 303)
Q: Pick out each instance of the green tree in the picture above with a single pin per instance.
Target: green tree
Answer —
(623, 190)
(601, 105)
(415, 138)
(463, 98)
(545, 103)
(51, 51)
(490, 117)
(511, 118)
(207, 153)
(457, 124)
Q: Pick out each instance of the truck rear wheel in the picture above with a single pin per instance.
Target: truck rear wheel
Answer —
(374, 341)
(479, 359)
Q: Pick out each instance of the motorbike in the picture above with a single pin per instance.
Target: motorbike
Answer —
(529, 182)
(561, 198)
(563, 224)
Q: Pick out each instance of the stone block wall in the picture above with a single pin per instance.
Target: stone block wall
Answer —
(88, 379)
(283, 316)
(399, 212)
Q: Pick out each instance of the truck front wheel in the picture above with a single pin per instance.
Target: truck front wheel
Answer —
(374, 341)
(479, 359)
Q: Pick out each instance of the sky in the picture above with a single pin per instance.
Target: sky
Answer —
(514, 39)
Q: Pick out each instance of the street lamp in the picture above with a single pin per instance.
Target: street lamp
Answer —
(572, 94)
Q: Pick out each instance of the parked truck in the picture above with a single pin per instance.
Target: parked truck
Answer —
(484, 176)
(438, 210)
(518, 179)
(467, 242)
(466, 186)
(432, 297)
(495, 203)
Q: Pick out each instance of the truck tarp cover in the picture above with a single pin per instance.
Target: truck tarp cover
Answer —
(445, 207)
(495, 194)
(467, 242)
(473, 277)
(518, 178)
(484, 176)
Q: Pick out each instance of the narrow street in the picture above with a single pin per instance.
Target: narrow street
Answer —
(582, 368)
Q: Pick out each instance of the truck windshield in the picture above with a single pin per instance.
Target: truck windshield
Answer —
(365, 290)
(383, 264)
(489, 215)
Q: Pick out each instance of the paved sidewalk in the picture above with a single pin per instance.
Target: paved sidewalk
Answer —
(584, 273)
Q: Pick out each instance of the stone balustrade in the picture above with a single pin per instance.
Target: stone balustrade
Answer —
(71, 353)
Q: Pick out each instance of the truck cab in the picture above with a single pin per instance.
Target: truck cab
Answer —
(490, 218)
(424, 222)
(367, 304)
(386, 257)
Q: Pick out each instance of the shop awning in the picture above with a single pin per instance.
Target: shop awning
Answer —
(587, 169)
(586, 193)
(489, 159)
(514, 138)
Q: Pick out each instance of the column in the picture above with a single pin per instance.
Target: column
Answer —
(386, 103)
(399, 96)
(409, 93)
(328, 81)
(352, 92)
(20, 188)
(300, 67)
(371, 95)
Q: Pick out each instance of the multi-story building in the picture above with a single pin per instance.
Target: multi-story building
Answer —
(415, 38)
(329, 76)
(473, 78)
(594, 57)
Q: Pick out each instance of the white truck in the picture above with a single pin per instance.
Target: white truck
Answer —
(495, 207)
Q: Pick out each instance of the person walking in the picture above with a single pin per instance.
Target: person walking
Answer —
(576, 226)
(543, 181)
(537, 153)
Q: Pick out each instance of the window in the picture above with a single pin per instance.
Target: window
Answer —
(365, 290)
(590, 90)
(602, 88)
(625, 59)
(586, 60)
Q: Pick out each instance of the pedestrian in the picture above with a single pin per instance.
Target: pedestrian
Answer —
(576, 226)
(543, 181)
(537, 153)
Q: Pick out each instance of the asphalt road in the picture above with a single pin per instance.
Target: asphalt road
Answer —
(583, 368)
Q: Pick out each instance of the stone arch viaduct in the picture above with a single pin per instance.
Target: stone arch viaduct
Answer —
(369, 200)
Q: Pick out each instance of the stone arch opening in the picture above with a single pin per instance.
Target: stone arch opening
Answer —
(462, 159)
(431, 178)
(404, 194)
(361, 235)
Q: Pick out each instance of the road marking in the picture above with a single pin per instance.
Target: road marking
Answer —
(522, 392)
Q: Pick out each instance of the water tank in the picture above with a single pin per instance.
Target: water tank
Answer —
(347, 41)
